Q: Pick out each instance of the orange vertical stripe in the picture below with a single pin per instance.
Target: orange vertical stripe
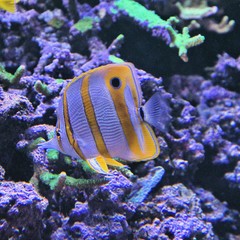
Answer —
(68, 127)
(151, 148)
(91, 117)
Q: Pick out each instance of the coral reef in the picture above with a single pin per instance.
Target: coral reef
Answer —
(192, 190)
(22, 210)
(226, 72)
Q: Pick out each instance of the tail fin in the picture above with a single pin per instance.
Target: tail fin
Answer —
(156, 112)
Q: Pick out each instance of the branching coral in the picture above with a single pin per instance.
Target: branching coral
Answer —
(159, 27)
(42, 88)
(41, 163)
(57, 181)
(199, 11)
(224, 26)
(195, 9)
(8, 79)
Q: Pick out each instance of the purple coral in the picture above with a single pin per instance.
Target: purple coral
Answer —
(21, 210)
(174, 212)
(227, 72)
(104, 214)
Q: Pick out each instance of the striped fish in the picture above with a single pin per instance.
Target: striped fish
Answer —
(101, 117)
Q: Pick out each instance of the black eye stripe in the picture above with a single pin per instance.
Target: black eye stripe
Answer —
(57, 132)
(141, 113)
(115, 82)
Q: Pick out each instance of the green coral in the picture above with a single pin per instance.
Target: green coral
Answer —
(112, 49)
(50, 134)
(11, 79)
(42, 88)
(59, 80)
(138, 12)
(126, 172)
(57, 181)
(67, 160)
(34, 144)
(85, 24)
(56, 22)
(195, 9)
(115, 59)
(52, 154)
(85, 166)
(182, 41)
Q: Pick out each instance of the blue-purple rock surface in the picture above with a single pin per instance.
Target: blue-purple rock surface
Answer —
(187, 50)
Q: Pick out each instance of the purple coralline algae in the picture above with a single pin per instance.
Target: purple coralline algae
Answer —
(192, 189)
(227, 72)
(22, 210)
(175, 212)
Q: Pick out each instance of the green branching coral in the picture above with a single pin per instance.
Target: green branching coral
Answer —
(42, 88)
(150, 20)
(57, 181)
(85, 166)
(85, 24)
(11, 79)
(34, 144)
(195, 9)
(183, 42)
(52, 154)
(114, 47)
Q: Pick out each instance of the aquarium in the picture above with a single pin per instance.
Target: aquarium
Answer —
(120, 119)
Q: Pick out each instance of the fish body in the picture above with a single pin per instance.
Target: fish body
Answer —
(9, 5)
(101, 117)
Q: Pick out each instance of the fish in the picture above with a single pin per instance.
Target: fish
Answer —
(9, 5)
(101, 118)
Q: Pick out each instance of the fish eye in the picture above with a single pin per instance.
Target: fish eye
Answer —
(115, 82)
(58, 132)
